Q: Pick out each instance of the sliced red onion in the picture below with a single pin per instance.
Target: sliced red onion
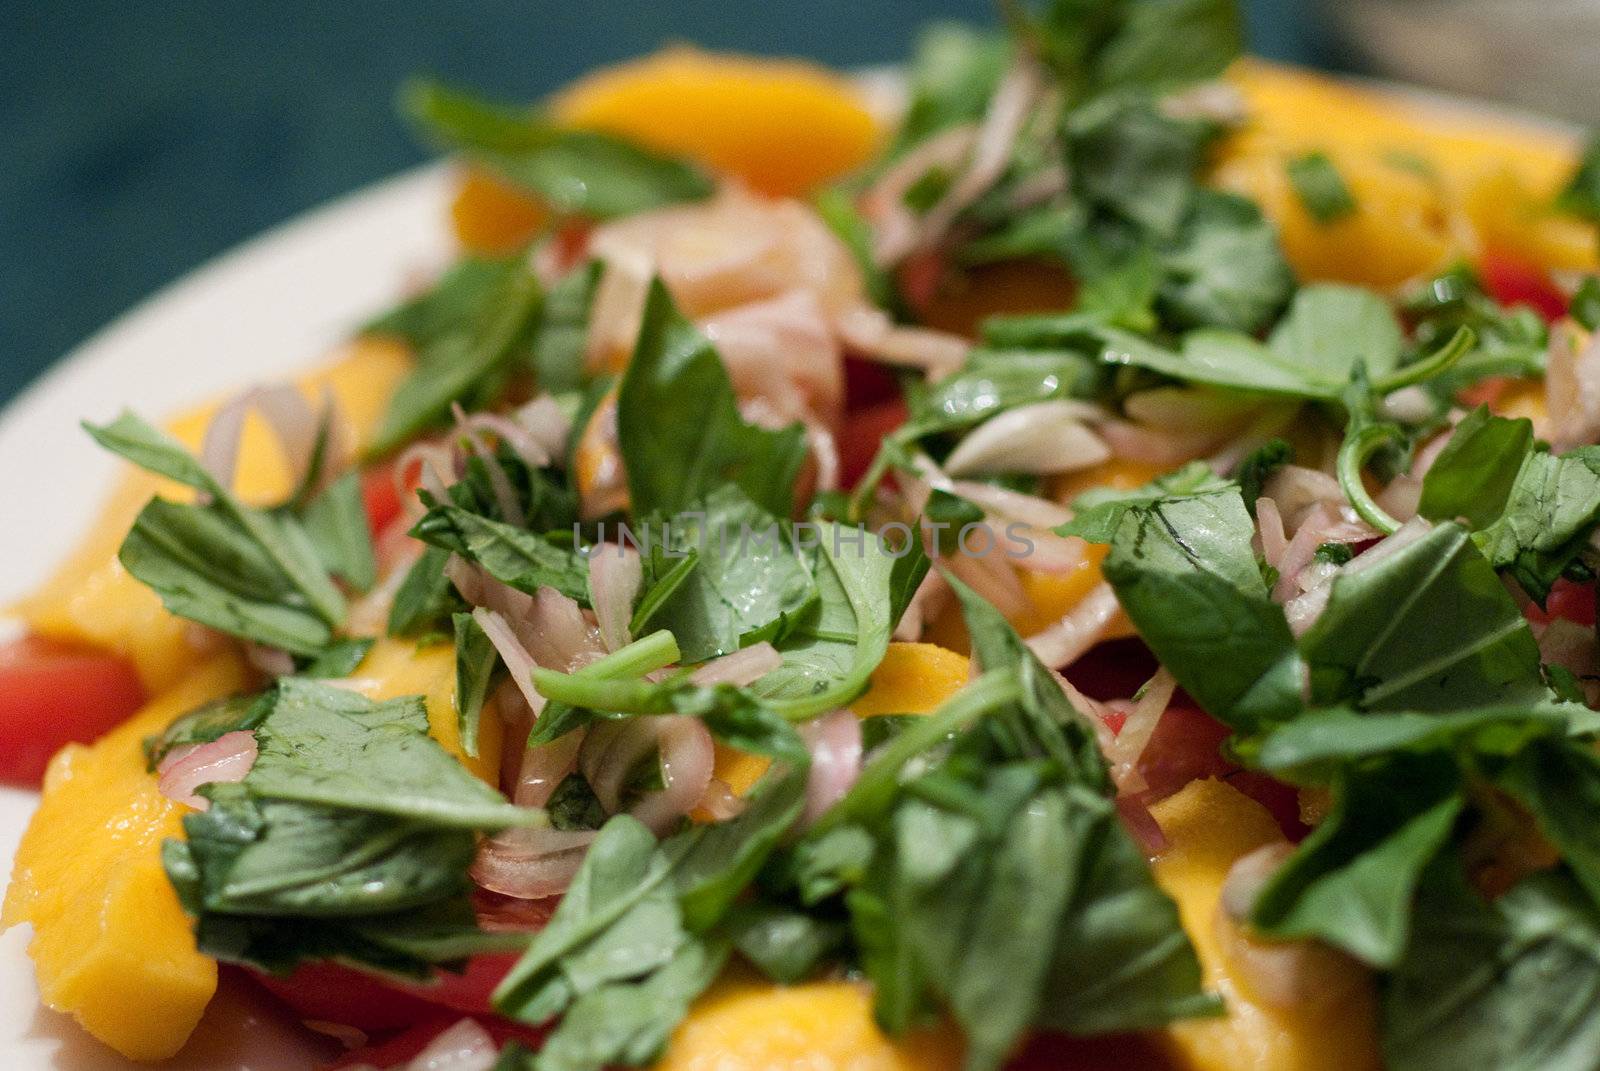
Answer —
(869, 332)
(1219, 102)
(720, 802)
(1193, 409)
(543, 768)
(293, 422)
(615, 575)
(834, 741)
(1392, 544)
(1129, 744)
(1045, 437)
(782, 350)
(1048, 553)
(1079, 629)
(1270, 524)
(464, 1047)
(742, 668)
(546, 424)
(612, 750)
(1137, 819)
(1150, 446)
(991, 577)
(557, 634)
(225, 760)
(1014, 505)
(1572, 387)
(436, 468)
(531, 864)
(825, 451)
(896, 230)
(519, 663)
(273, 661)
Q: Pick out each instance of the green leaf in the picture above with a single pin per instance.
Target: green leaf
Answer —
(1351, 882)
(1184, 572)
(994, 380)
(1128, 156)
(1225, 268)
(1559, 781)
(1320, 187)
(830, 653)
(953, 72)
(1330, 328)
(1472, 478)
(558, 345)
(748, 583)
(786, 945)
(336, 524)
(679, 427)
(576, 172)
(325, 745)
(1510, 986)
(714, 863)
(339, 660)
(208, 722)
(1428, 627)
(476, 662)
(1552, 510)
(1097, 513)
(425, 599)
(511, 555)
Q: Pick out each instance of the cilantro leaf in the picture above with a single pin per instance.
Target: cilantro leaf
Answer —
(1472, 478)
(1320, 187)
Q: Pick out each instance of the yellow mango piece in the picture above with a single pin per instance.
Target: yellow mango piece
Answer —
(913, 678)
(1208, 826)
(782, 126)
(91, 599)
(744, 1024)
(1431, 185)
(399, 667)
(493, 217)
(111, 947)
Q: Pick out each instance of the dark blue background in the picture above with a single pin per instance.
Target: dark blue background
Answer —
(141, 137)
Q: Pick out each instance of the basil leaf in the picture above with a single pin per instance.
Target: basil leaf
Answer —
(207, 723)
(576, 172)
(1473, 476)
(1184, 572)
(336, 524)
(425, 599)
(558, 345)
(679, 427)
(1127, 156)
(1320, 188)
(786, 945)
(1553, 508)
(748, 583)
(339, 660)
(714, 863)
(1510, 986)
(511, 555)
(830, 653)
(325, 745)
(1225, 268)
(476, 662)
(1097, 513)
(1428, 628)
(1330, 329)
(1351, 882)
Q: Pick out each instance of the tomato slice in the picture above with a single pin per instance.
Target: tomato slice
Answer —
(862, 435)
(1568, 599)
(1512, 280)
(380, 497)
(400, 1049)
(335, 993)
(53, 694)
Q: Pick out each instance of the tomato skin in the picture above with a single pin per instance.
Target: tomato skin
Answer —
(866, 384)
(398, 1050)
(334, 993)
(1570, 600)
(862, 435)
(53, 694)
(380, 497)
(1511, 280)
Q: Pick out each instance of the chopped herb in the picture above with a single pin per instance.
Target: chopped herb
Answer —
(1320, 187)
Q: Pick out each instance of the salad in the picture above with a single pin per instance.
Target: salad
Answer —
(1084, 556)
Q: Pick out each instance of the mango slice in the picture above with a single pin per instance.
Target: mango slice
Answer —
(111, 946)
(492, 217)
(745, 1024)
(782, 126)
(1430, 186)
(913, 678)
(1208, 826)
(399, 667)
(91, 599)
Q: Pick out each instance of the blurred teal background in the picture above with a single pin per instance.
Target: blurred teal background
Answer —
(141, 138)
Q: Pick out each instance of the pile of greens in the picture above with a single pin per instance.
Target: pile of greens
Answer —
(977, 870)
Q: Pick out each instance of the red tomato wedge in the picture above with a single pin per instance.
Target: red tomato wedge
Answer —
(334, 993)
(399, 1050)
(53, 694)
(1511, 280)
(1568, 599)
(379, 496)
(863, 433)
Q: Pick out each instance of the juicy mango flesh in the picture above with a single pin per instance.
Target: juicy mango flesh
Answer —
(91, 598)
(111, 946)
(394, 668)
(1430, 186)
(1209, 825)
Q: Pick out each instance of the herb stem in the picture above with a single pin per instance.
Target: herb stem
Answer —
(1437, 363)
(875, 787)
(644, 655)
(1358, 447)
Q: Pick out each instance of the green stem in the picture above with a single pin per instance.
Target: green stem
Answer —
(875, 787)
(1437, 363)
(1353, 455)
(612, 683)
(644, 655)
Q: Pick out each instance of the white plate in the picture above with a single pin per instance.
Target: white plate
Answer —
(270, 306)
